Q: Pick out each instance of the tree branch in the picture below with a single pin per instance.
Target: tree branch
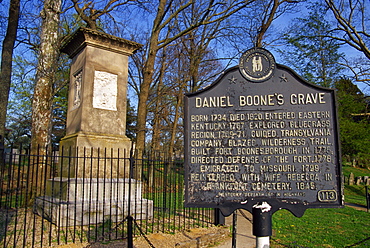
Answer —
(345, 25)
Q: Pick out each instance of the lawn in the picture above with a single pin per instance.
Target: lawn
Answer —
(355, 193)
(344, 227)
(327, 227)
(358, 172)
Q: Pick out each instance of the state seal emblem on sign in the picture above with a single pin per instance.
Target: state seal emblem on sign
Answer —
(257, 65)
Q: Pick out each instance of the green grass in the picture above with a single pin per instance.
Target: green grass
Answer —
(358, 172)
(355, 193)
(330, 227)
(345, 227)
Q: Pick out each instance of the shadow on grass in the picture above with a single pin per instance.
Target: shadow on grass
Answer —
(358, 190)
(362, 242)
(6, 216)
(277, 243)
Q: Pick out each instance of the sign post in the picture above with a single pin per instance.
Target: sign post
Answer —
(261, 138)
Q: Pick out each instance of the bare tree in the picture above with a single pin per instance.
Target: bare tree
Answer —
(167, 11)
(89, 12)
(352, 23)
(196, 61)
(6, 63)
(159, 104)
(202, 64)
(271, 10)
(352, 28)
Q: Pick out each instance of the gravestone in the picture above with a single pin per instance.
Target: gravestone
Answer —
(358, 180)
(351, 180)
(96, 116)
(96, 123)
(365, 179)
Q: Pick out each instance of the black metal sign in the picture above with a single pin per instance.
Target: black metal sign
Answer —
(260, 133)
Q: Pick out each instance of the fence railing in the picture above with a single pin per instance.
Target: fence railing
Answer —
(87, 195)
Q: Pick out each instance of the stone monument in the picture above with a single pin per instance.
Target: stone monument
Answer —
(97, 97)
(96, 127)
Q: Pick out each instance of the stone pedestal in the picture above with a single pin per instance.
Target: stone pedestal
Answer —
(97, 100)
(84, 156)
(70, 202)
(94, 166)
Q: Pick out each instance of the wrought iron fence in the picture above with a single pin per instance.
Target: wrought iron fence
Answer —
(88, 195)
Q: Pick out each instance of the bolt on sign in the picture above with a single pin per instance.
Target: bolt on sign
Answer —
(260, 133)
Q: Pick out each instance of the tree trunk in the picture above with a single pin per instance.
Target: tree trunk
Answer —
(43, 93)
(267, 22)
(156, 139)
(156, 135)
(6, 65)
(147, 79)
(175, 124)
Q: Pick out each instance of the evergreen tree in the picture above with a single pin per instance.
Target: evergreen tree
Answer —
(130, 120)
(354, 123)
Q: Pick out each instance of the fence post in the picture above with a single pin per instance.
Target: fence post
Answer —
(367, 198)
(130, 236)
(218, 217)
(2, 152)
(2, 167)
(235, 224)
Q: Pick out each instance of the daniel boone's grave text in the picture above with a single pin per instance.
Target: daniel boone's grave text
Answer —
(261, 134)
(262, 153)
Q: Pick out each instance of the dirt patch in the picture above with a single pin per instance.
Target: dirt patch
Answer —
(22, 228)
(197, 237)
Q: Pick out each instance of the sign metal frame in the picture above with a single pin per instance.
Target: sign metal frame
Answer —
(248, 140)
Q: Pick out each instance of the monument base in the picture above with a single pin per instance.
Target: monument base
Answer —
(86, 154)
(82, 201)
(63, 213)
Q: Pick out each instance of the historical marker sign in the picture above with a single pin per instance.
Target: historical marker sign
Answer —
(261, 133)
